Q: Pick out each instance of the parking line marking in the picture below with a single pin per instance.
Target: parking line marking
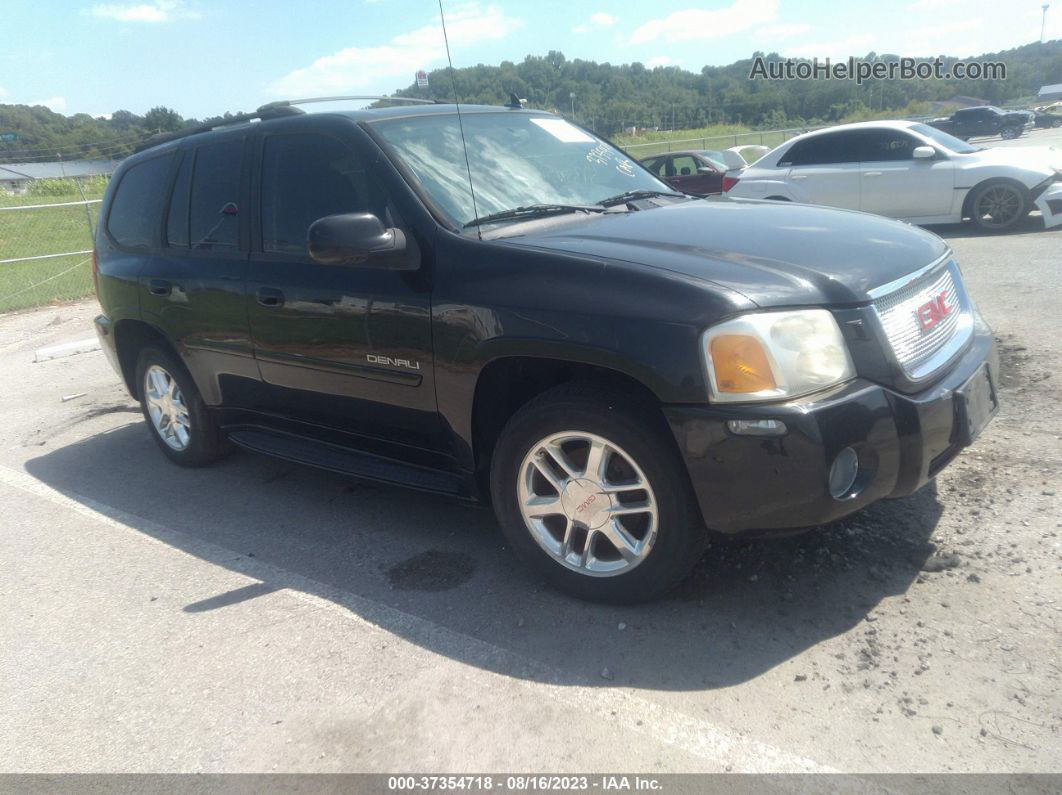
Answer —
(725, 747)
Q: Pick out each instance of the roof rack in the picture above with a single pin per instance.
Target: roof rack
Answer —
(284, 103)
(271, 110)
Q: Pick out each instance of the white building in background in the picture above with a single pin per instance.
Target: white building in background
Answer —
(15, 177)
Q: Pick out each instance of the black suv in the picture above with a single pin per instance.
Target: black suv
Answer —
(499, 306)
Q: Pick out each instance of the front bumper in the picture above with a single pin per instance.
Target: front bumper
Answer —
(778, 483)
(1049, 203)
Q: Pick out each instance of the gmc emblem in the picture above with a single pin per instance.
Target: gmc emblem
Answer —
(933, 311)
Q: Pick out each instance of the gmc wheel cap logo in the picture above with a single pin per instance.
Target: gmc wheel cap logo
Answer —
(933, 311)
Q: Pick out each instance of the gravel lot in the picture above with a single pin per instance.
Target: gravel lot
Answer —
(261, 616)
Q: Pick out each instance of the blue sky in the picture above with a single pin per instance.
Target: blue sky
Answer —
(203, 58)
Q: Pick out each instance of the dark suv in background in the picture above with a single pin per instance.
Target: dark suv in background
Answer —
(537, 322)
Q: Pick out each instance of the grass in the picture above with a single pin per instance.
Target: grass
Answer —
(50, 230)
(720, 136)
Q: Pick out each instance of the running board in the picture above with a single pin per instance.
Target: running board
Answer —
(348, 462)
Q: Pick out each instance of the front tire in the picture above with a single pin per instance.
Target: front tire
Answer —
(999, 206)
(178, 419)
(1010, 133)
(589, 489)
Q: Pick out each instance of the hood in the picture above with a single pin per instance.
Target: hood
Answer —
(1046, 159)
(773, 253)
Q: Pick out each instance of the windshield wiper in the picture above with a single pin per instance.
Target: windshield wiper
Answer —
(533, 211)
(631, 195)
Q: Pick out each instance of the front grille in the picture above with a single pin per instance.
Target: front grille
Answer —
(899, 315)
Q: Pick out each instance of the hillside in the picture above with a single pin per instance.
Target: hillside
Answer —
(607, 98)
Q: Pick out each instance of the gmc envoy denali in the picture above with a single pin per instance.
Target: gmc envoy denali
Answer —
(494, 304)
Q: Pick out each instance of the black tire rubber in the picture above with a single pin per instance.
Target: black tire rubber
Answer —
(207, 443)
(1014, 132)
(975, 196)
(641, 431)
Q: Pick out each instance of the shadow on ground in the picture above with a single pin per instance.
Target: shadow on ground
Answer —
(1030, 225)
(389, 554)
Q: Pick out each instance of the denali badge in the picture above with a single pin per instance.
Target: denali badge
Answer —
(374, 359)
(933, 311)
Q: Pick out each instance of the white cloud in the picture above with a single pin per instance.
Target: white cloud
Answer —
(57, 104)
(598, 20)
(156, 11)
(783, 30)
(858, 44)
(359, 67)
(3, 91)
(659, 60)
(693, 24)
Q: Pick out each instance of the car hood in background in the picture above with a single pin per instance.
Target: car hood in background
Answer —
(773, 253)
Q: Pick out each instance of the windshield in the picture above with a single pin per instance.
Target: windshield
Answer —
(516, 160)
(947, 141)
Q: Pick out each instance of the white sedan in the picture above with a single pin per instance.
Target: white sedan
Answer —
(909, 171)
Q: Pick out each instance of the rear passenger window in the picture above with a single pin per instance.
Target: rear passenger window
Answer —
(822, 150)
(134, 213)
(214, 216)
(177, 221)
(306, 176)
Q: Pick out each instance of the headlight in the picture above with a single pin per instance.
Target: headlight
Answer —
(775, 356)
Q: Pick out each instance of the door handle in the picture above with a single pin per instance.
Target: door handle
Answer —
(871, 173)
(159, 287)
(796, 177)
(270, 296)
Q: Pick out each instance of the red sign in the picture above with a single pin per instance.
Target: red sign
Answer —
(933, 311)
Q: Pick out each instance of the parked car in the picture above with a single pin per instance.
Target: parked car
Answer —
(982, 121)
(909, 171)
(613, 366)
(696, 171)
(1044, 119)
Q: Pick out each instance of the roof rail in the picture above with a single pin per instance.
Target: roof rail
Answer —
(283, 103)
(271, 111)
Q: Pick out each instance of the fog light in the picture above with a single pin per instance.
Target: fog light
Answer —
(843, 473)
(757, 427)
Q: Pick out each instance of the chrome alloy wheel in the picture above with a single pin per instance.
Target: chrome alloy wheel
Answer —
(166, 407)
(998, 206)
(586, 502)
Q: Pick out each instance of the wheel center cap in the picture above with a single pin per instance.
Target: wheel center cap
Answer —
(584, 502)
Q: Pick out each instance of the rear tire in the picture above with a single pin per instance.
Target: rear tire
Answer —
(177, 418)
(558, 509)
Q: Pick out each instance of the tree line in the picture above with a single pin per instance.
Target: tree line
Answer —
(606, 97)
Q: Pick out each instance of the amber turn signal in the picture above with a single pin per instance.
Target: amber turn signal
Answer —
(740, 364)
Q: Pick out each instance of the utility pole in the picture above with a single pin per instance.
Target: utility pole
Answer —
(1043, 21)
(571, 96)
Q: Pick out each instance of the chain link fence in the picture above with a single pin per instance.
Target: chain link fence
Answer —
(46, 234)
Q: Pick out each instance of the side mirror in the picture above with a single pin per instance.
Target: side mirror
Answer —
(924, 153)
(357, 239)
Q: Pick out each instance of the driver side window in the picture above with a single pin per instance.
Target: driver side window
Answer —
(306, 176)
(879, 145)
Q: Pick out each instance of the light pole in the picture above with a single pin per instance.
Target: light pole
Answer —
(1043, 21)
(571, 96)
